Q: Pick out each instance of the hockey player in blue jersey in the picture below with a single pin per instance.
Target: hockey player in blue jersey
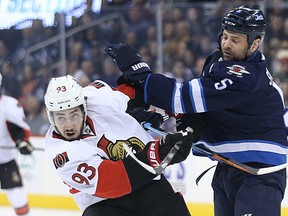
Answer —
(238, 103)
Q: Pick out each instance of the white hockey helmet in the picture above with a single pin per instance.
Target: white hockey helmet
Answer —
(64, 93)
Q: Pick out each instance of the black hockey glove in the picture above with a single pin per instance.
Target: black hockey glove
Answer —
(142, 116)
(155, 152)
(195, 121)
(129, 61)
(24, 147)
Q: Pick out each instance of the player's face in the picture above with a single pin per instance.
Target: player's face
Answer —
(234, 46)
(69, 122)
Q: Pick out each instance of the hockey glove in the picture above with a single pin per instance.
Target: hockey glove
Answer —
(195, 121)
(134, 70)
(24, 147)
(155, 152)
(142, 116)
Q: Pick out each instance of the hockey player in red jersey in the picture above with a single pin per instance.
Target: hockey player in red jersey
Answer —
(85, 147)
(14, 133)
(240, 109)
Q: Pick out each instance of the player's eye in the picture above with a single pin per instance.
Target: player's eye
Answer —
(75, 117)
(60, 119)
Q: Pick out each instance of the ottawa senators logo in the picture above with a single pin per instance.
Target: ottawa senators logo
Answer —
(60, 160)
(115, 151)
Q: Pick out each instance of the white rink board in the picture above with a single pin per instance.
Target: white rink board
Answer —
(40, 179)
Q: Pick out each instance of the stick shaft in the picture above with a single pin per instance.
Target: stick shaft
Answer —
(207, 152)
(12, 147)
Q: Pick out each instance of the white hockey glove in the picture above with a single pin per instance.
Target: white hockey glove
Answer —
(24, 147)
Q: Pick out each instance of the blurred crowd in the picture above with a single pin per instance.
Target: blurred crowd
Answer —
(190, 32)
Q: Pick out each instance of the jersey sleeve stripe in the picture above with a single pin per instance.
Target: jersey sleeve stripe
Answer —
(286, 118)
(182, 99)
(177, 99)
(280, 92)
(145, 89)
(191, 97)
(257, 147)
(197, 96)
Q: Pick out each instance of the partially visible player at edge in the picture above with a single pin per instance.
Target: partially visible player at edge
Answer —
(239, 106)
(14, 133)
(85, 146)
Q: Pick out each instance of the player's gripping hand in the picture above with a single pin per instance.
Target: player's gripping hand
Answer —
(142, 116)
(129, 61)
(24, 147)
(155, 152)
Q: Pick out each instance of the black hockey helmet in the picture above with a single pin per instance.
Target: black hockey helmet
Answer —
(247, 21)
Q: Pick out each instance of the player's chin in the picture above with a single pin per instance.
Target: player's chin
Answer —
(227, 57)
(71, 136)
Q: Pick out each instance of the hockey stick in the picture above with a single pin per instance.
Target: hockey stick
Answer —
(145, 166)
(12, 147)
(207, 152)
(160, 168)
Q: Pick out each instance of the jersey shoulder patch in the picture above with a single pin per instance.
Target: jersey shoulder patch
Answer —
(97, 84)
(60, 160)
(237, 70)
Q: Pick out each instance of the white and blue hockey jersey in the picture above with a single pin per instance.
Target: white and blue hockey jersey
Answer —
(241, 105)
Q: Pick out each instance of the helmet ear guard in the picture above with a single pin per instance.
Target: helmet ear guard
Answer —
(247, 21)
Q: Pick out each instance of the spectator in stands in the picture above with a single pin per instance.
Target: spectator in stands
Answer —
(4, 52)
(97, 55)
(11, 83)
(38, 30)
(280, 70)
(36, 116)
(91, 37)
(29, 83)
(284, 35)
(132, 38)
(110, 72)
(181, 72)
(117, 31)
(89, 9)
(43, 75)
(177, 15)
(74, 70)
(27, 40)
(77, 52)
(274, 30)
(135, 22)
(89, 69)
(84, 81)
(196, 21)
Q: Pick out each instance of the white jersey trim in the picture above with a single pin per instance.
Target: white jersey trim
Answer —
(241, 146)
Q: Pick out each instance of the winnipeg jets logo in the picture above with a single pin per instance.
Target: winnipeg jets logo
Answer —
(258, 17)
(238, 70)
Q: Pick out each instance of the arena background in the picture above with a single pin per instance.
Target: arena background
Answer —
(41, 39)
